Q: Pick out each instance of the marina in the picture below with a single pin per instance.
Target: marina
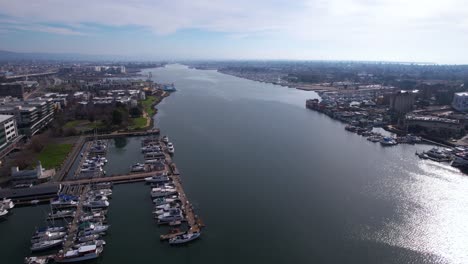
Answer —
(241, 193)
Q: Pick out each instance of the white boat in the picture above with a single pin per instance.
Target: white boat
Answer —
(138, 167)
(171, 150)
(437, 153)
(105, 192)
(388, 141)
(47, 236)
(165, 139)
(62, 214)
(170, 145)
(50, 229)
(64, 203)
(170, 217)
(162, 201)
(7, 204)
(94, 229)
(98, 243)
(185, 238)
(47, 244)
(157, 179)
(3, 212)
(167, 206)
(172, 210)
(88, 238)
(162, 192)
(96, 204)
(80, 254)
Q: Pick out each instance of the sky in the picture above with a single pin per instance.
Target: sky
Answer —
(379, 30)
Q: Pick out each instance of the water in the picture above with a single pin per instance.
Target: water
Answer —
(275, 182)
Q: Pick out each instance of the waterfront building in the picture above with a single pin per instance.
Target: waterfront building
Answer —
(460, 101)
(8, 133)
(402, 101)
(31, 115)
(435, 126)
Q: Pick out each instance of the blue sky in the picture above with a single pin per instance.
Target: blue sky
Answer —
(393, 30)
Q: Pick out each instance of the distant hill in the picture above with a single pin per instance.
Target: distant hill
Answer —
(26, 56)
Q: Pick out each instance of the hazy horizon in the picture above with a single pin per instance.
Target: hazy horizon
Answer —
(336, 30)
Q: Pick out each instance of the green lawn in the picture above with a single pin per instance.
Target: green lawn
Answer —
(82, 125)
(53, 155)
(148, 105)
(138, 122)
(74, 123)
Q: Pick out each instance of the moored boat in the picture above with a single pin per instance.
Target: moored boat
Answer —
(80, 254)
(185, 238)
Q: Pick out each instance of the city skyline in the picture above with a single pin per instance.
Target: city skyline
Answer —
(420, 31)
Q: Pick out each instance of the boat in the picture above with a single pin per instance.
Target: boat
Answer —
(98, 242)
(437, 153)
(172, 210)
(80, 254)
(50, 229)
(62, 214)
(3, 212)
(96, 204)
(37, 260)
(162, 201)
(171, 150)
(139, 167)
(7, 204)
(460, 160)
(104, 192)
(169, 88)
(165, 139)
(157, 179)
(47, 244)
(162, 192)
(88, 238)
(92, 229)
(64, 203)
(175, 223)
(185, 238)
(167, 206)
(48, 236)
(34, 202)
(388, 141)
(170, 217)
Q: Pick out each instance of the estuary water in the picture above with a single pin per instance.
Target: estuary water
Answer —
(276, 183)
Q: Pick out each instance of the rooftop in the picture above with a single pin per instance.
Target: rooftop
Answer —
(4, 118)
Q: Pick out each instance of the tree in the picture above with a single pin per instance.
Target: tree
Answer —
(135, 112)
(117, 117)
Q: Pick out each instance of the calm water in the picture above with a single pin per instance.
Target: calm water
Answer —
(275, 182)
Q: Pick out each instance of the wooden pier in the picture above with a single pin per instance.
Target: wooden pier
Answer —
(131, 177)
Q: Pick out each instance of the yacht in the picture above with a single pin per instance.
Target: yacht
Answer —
(162, 201)
(171, 150)
(170, 217)
(64, 203)
(388, 141)
(93, 229)
(168, 206)
(460, 160)
(157, 179)
(185, 238)
(7, 204)
(80, 254)
(62, 214)
(3, 211)
(50, 229)
(165, 139)
(105, 192)
(158, 192)
(139, 167)
(48, 236)
(47, 244)
(96, 204)
(171, 210)
(88, 238)
(437, 153)
(98, 243)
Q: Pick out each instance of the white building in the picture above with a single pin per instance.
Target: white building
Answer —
(460, 101)
(8, 130)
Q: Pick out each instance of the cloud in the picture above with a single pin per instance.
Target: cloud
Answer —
(396, 28)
